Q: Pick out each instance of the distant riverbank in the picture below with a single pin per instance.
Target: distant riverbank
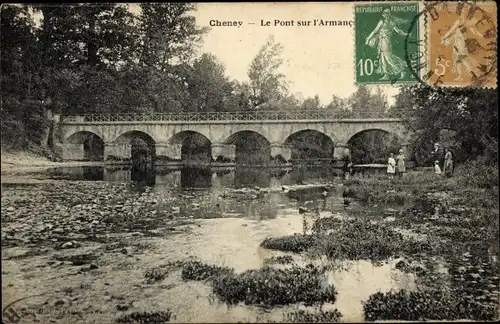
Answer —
(13, 162)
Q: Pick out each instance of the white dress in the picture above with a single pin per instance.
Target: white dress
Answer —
(391, 165)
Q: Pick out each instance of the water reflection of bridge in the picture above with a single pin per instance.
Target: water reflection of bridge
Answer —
(198, 177)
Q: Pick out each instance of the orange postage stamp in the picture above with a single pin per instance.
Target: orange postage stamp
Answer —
(462, 46)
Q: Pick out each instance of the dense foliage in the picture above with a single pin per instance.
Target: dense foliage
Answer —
(462, 119)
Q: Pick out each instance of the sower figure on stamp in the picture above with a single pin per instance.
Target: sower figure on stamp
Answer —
(381, 38)
(455, 39)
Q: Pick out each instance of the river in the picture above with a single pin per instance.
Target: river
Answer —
(226, 215)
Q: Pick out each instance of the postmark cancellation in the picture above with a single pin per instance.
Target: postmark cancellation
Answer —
(462, 47)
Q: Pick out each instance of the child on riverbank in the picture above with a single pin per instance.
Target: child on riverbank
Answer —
(437, 168)
(391, 166)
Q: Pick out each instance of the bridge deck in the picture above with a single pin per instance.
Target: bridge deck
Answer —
(249, 116)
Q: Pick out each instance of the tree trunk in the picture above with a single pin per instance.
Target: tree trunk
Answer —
(91, 45)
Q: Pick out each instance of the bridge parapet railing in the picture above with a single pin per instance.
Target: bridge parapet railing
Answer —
(221, 116)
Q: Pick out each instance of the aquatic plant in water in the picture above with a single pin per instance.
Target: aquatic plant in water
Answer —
(146, 317)
(291, 243)
(155, 274)
(196, 270)
(351, 240)
(280, 259)
(302, 316)
(266, 286)
(424, 305)
(269, 286)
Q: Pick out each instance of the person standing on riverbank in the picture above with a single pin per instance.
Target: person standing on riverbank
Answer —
(438, 154)
(400, 163)
(448, 163)
(346, 166)
(391, 166)
(437, 168)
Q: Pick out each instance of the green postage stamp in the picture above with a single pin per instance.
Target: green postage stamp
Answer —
(381, 30)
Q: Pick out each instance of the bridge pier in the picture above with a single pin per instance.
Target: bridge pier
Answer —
(283, 150)
(340, 151)
(168, 151)
(75, 152)
(227, 151)
(117, 152)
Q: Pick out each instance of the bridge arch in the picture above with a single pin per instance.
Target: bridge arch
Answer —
(310, 144)
(86, 145)
(194, 146)
(239, 135)
(142, 146)
(250, 146)
(74, 134)
(130, 135)
(180, 137)
(323, 128)
(373, 145)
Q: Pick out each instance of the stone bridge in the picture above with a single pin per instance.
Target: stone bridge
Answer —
(167, 132)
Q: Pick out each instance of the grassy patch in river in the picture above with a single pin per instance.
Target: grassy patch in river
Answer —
(266, 286)
(280, 259)
(424, 305)
(350, 239)
(292, 243)
(302, 316)
(146, 317)
(196, 270)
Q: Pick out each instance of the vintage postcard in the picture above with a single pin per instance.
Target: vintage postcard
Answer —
(249, 162)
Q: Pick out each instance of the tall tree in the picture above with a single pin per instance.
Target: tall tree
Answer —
(240, 98)
(339, 106)
(312, 103)
(359, 101)
(207, 84)
(168, 34)
(401, 106)
(378, 105)
(23, 116)
(266, 81)
(97, 35)
(81, 47)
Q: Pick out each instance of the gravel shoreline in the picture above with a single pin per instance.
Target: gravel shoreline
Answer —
(15, 166)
